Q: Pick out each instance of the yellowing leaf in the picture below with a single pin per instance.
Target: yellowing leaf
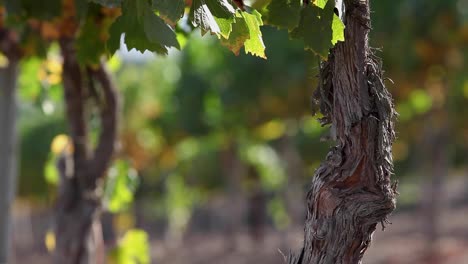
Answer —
(53, 79)
(61, 143)
(49, 241)
(246, 32)
(168, 159)
(3, 61)
(240, 33)
(271, 130)
(123, 222)
(54, 66)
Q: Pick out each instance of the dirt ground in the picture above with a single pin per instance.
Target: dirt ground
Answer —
(403, 242)
(400, 243)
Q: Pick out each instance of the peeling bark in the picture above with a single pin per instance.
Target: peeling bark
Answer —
(78, 228)
(351, 191)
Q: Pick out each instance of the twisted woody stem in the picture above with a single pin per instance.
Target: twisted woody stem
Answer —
(351, 191)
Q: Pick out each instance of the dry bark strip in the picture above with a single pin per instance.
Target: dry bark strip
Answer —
(78, 229)
(351, 191)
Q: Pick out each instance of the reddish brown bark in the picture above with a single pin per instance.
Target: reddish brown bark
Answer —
(351, 191)
(78, 230)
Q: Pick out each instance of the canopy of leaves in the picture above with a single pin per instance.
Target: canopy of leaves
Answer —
(170, 10)
(143, 29)
(150, 25)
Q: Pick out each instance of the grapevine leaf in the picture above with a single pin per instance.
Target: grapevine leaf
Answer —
(337, 25)
(170, 10)
(89, 44)
(246, 32)
(134, 247)
(158, 31)
(108, 3)
(81, 8)
(338, 29)
(215, 16)
(284, 13)
(320, 3)
(115, 32)
(240, 33)
(254, 45)
(143, 29)
(141, 6)
(120, 186)
(29, 79)
(225, 26)
(315, 28)
(50, 171)
(34, 8)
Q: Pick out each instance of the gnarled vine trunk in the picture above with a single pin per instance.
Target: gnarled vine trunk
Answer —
(78, 229)
(8, 138)
(351, 191)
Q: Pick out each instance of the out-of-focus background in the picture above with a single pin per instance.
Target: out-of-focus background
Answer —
(220, 149)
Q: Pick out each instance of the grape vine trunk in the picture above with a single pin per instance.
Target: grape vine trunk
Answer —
(351, 192)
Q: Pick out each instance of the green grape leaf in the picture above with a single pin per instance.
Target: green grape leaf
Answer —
(143, 29)
(214, 16)
(134, 247)
(267, 163)
(34, 8)
(28, 81)
(108, 3)
(225, 26)
(89, 44)
(284, 13)
(50, 171)
(254, 45)
(141, 6)
(240, 33)
(157, 31)
(121, 183)
(170, 10)
(115, 33)
(315, 28)
(246, 32)
(338, 29)
(320, 3)
(420, 101)
(55, 93)
(81, 8)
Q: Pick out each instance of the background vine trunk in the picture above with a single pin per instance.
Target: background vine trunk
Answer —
(8, 141)
(351, 191)
(78, 228)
